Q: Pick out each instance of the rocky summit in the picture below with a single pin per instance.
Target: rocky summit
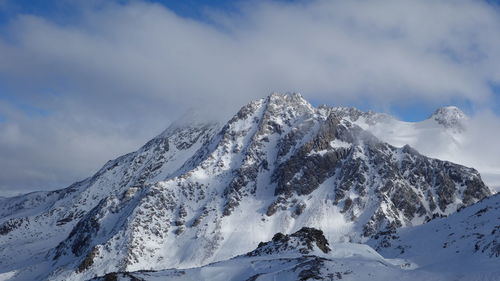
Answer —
(203, 192)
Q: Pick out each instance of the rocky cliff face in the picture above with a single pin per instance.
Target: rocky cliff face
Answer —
(201, 193)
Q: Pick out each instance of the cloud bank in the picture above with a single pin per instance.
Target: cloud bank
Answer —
(78, 93)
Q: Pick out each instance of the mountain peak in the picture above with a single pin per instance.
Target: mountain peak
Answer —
(288, 96)
(293, 100)
(449, 116)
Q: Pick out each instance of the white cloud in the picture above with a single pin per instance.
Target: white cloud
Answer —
(480, 149)
(52, 152)
(131, 68)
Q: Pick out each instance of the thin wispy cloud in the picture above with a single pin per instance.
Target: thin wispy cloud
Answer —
(119, 73)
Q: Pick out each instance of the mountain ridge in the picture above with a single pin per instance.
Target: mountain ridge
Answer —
(278, 164)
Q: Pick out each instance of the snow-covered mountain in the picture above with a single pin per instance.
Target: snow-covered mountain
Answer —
(202, 192)
(447, 134)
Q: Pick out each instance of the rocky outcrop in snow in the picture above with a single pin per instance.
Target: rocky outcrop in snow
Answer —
(305, 241)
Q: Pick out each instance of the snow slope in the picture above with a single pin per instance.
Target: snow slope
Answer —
(307, 255)
(299, 256)
(463, 246)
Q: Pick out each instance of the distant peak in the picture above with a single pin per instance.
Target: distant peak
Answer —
(449, 116)
(449, 111)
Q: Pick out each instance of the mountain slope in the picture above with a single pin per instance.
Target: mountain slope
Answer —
(201, 193)
(32, 224)
(465, 243)
(303, 255)
(462, 248)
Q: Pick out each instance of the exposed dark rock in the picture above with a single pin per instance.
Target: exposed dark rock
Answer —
(179, 230)
(114, 276)
(475, 189)
(110, 277)
(302, 241)
(88, 261)
(312, 169)
(279, 237)
(299, 209)
(311, 235)
(69, 218)
(10, 225)
(311, 269)
(235, 191)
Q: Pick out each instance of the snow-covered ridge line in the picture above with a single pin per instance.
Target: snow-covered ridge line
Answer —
(205, 192)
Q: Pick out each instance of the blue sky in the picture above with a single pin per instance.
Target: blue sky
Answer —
(84, 81)
(65, 10)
